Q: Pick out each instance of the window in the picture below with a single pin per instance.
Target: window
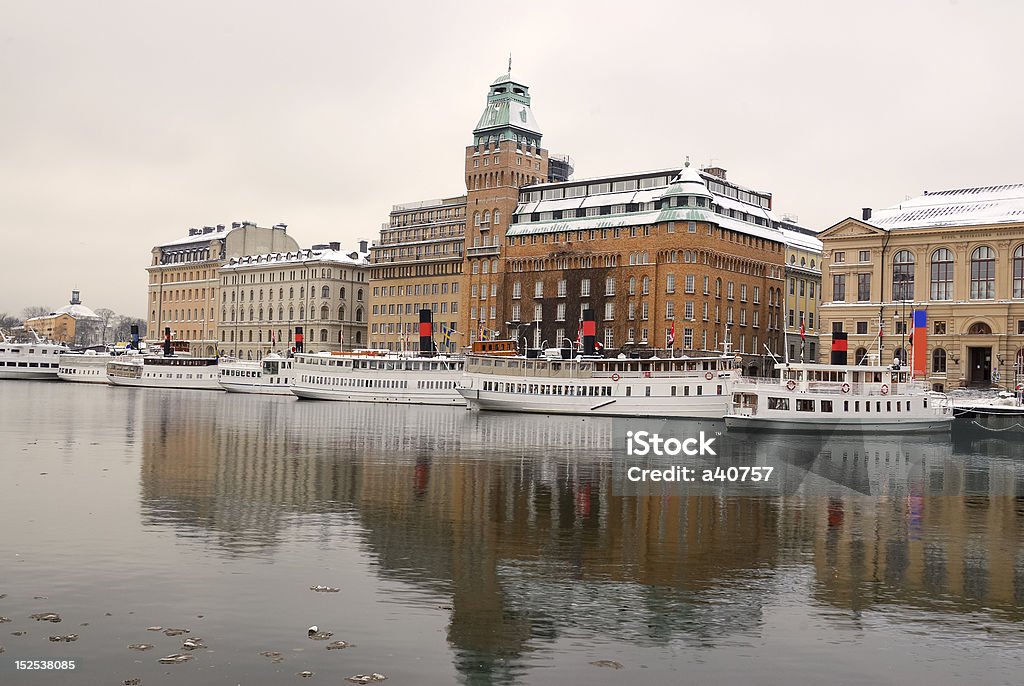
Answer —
(645, 286)
(538, 289)
(609, 310)
(1018, 272)
(609, 285)
(983, 273)
(942, 275)
(839, 257)
(560, 312)
(903, 275)
(862, 328)
(863, 287)
(864, 256)
(839, 287)
(670, 283)
(585, 287)
(561, 288)
(939, 361)
(670, 310)
(538, 313)
(688, 311)
(632, 285)
(517, 290)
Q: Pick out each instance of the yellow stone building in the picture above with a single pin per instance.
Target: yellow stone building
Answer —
(74, 324)
(956, 254)
(183, 279)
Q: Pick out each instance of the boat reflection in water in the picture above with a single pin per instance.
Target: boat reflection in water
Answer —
(518, 524)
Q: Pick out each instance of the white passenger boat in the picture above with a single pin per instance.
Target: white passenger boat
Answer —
(696, 387)
(271, 376)
(87, 367)
(35, 359)
(839, 398)
(177, 371)
(379, 378)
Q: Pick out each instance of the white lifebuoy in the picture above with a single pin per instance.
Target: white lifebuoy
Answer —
(1020, 387)
(791, 384)
(615, 377)
(709, 376)
(846, 388)
(884, 389)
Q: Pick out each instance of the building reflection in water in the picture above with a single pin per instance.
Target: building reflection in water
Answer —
(516, 520)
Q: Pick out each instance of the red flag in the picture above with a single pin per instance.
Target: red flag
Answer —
(911, 337)
(802, 328)
(672, 335)
(579, 333)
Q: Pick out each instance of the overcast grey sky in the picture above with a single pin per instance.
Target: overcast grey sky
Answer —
(124, 123)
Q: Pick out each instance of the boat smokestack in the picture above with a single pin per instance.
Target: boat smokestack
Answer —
(299, 338)
(167, 342)
(589, 332)
(135, 336)
(839, 347)
(426, 333)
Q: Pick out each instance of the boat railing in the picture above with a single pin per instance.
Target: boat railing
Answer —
(836, 387)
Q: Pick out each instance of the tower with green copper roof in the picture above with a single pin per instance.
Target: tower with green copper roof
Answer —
(507, 115)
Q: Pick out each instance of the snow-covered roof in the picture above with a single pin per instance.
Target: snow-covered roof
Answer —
(800, 240)
(352, 258)
(78, 311)
(197, 238)
(956, 207)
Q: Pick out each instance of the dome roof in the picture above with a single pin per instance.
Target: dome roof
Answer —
(689, 182)
(78, 311)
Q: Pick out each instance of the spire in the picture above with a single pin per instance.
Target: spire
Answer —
(507, 115)
(688, 182)
(510, 63)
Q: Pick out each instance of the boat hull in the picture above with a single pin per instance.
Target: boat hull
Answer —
(446, 397)
(257, 388)
(854, 424)
(28, 374)
(694, 407)
(190, 384)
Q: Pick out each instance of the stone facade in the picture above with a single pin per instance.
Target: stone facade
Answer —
(417, 263)
(183, 279)
(959, 256)
(263, 298)
(74, 324)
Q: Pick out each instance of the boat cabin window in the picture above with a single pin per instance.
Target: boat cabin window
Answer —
(826, 405)
(778, 403)
(804, 405)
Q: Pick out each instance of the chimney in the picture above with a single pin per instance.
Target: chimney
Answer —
(220, 227)
(362, 246)
(589, 332)
(135, 336)
(209, 229)
(426, 333)
(235, 225)
(193, 232)
(715, 171)
(865, 213)
(335, 245)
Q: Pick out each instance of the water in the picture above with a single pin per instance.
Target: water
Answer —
(490, 549)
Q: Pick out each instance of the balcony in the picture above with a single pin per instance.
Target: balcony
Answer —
(483, 251)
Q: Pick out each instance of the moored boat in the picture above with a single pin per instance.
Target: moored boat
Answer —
(32, 359)
(87, 367)
(379, 378)
(178, 371)
(695, 387)
(839, 398)
(272, 375)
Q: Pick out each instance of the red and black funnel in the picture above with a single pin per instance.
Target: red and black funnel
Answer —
(589, 332)
(167, 341)
(299, 338)
(840, 345)
(426, 333)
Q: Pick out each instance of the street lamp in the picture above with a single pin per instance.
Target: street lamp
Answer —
(902, 279)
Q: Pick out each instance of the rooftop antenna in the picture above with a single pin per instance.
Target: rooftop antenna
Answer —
(509, 62)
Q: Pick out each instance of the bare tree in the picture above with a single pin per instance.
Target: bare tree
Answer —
(122, 329)
(109, 318)
(8, 321)
(35, 311)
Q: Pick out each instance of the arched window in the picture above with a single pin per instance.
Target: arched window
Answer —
(487, 217)
(323, 335)
(359, 337)
(497, 217)
(983, 273)
(718, 288)
(942, 275)
(291, 314)
(280, 313)
(903, 276)
(341, 313)
(325, 312)
(938, 361)
(901, 355)
(359, 314)
(476, 219)
(270, 314)
(979, 329)
(632, 284)
(359, 295)
(261, 314)
(342, 292)
(312, 311)
(1018, 272)
(250, 314)
(860, 356)
(325, 292)
(250, 336)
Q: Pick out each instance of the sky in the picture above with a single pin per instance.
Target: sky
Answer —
(123, 124)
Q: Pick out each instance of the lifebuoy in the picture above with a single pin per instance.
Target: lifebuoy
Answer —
(615, 377)
(1020, 387)
(846, 388)
(885, 389)
(791, 384)
(647, 375)
(709, 376)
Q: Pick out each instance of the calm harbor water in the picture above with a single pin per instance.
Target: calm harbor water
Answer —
(489, 549)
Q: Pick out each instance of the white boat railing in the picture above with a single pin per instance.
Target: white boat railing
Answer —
(834, 387)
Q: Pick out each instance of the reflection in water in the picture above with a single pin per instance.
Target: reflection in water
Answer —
(516, 518)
